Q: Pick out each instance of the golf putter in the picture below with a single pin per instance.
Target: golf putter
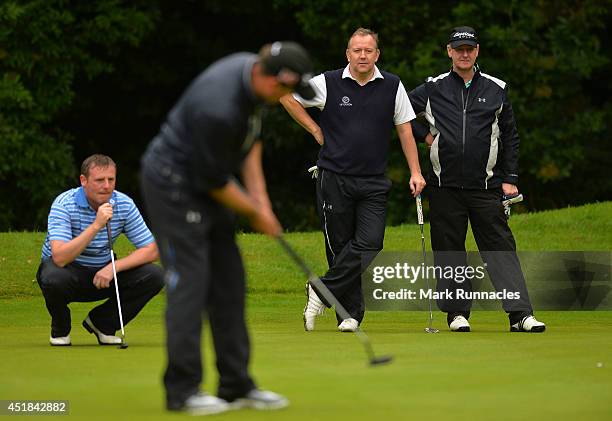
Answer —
(419, 203)
(330, 298)
(124, 344)
(508, 201)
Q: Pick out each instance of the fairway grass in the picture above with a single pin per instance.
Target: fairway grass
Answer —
(270, 270)
(487, 374)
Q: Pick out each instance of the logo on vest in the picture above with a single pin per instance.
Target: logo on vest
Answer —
(346, 102)
(482, 100)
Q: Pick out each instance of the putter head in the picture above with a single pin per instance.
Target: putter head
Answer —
(431, 330)
(384, 359)
(123, 345)
(508, 201)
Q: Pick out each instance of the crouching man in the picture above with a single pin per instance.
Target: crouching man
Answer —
(76, 261)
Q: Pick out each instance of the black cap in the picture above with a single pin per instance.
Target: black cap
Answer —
(463, 35)
(290, 63)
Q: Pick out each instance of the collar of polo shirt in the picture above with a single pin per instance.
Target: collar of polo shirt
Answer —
(347, 73)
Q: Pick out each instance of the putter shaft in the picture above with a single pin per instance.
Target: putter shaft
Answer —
(420, 219)
(331, 299)
(110, 246)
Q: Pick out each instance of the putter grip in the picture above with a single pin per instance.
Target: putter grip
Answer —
(108, 228)
(419, 204)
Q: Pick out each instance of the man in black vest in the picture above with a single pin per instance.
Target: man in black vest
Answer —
(474, 161)
(359, 107)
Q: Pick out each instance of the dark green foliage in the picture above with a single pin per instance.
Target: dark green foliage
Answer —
(552, 54)
(44, 46)
(78, 77)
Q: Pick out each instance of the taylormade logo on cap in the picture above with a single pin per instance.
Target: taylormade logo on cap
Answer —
(463, 35)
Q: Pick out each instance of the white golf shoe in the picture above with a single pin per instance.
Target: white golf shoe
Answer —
(459, 324)
(103, 339)
(260, 399)
(60, 341)
(348, 325)
(314, 307)
(528, 324)
(205, 404)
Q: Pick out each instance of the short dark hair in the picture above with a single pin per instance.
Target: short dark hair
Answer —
(96, 160)
(363, 32)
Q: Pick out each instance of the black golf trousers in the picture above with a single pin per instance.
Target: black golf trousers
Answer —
(353, 211)
(450, 210)
(74, 283)
(204, 278)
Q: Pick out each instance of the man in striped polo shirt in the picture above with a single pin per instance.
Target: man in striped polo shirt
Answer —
(76, 262)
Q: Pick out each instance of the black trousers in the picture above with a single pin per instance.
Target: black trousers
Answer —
(353, 212)
(450, 210)
(204, 277)
(74, 283)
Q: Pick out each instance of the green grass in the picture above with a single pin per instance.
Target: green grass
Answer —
(270, 270)
(486, 374)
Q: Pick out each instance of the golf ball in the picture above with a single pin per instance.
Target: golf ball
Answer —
(599, 365)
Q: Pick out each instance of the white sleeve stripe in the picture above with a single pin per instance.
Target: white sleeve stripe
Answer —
(499, 82)
(493, 146)
(435, 79)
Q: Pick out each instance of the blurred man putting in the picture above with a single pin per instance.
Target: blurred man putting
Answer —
(193, 199)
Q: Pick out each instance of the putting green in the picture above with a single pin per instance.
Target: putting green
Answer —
(489, 373)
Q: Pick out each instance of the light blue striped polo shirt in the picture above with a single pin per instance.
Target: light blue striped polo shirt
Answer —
(71, 214)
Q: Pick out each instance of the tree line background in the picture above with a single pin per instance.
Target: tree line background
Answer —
(80, 77)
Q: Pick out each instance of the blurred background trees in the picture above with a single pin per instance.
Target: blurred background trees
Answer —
(79, 77)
